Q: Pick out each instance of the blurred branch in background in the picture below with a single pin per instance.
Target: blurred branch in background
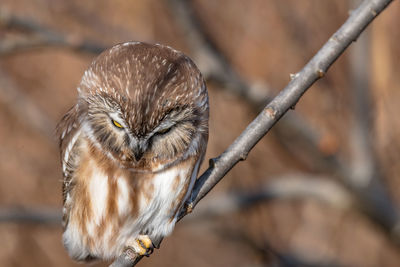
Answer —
(366, 179)
(273, 257)
(211, 61)
(43, 215)
(286, 99)
(293, 130)
(286, 187)
(22, 107)
(37, 35)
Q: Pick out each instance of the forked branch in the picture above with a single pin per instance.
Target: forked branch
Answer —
(286, 99)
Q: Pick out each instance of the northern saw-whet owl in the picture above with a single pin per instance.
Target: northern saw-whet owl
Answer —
(131, 148)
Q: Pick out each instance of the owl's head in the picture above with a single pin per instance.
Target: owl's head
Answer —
(145, 106)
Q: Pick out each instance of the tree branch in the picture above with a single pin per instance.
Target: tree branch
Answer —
(286, 99)
(375, 201)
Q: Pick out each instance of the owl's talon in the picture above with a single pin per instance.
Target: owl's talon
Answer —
(142, 245)
(189, 207)
(146, 246)
(148, 252)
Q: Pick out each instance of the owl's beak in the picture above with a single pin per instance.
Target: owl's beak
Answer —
(138, 149)
(138, 153)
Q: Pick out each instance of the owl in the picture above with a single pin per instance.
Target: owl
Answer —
(131, 148)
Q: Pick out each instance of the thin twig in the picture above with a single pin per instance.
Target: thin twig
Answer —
(287, 98)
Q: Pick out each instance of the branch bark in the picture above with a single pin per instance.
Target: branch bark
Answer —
(286, 99)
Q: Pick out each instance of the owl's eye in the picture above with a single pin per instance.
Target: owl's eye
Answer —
(164, 130)
(117, 124)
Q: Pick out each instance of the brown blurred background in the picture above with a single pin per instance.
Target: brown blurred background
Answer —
(321, 189)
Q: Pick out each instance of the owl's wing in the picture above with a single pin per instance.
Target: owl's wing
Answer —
(68, 131)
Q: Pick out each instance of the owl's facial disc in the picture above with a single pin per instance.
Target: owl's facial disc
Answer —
(140, 148)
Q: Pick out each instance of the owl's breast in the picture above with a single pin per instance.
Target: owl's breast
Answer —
(110, 205)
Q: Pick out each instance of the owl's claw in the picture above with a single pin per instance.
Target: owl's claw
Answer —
(146, 245)
(189, 207)
(142, 245)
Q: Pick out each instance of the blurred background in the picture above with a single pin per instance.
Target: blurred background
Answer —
(321, 189)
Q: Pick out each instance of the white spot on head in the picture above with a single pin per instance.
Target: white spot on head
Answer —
(169, 67)
(155, 58)
(130, 43)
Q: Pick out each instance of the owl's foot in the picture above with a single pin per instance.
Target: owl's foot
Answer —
(142, 245)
